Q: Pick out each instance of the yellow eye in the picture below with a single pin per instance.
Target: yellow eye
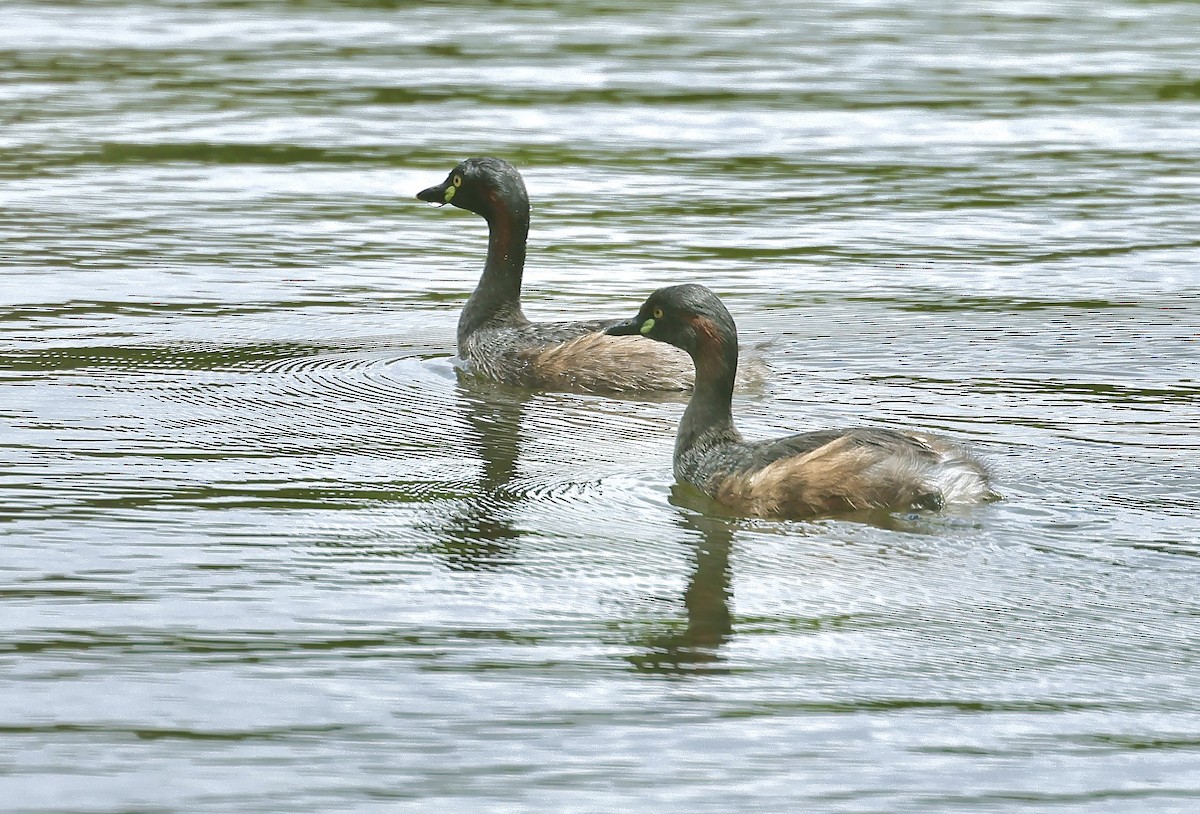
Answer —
(658, 313)
(458, 180)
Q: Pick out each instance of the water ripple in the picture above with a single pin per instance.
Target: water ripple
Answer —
(251, 514)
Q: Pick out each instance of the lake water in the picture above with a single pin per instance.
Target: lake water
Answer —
(262, 551)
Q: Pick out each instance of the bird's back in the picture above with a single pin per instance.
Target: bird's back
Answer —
(836, 471)
(576, 356)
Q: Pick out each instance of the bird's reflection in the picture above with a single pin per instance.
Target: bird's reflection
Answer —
(694, 646)
(481, 533)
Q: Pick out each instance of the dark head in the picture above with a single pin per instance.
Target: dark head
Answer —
(481, 185)
(687, 316)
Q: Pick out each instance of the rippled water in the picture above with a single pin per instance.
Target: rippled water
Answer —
(262, 550)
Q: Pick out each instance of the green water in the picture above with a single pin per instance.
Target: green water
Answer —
(261, 550)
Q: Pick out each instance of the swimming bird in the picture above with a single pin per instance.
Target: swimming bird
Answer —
(811, 474)
(497, 341)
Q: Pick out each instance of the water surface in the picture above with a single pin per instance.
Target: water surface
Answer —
(264, 551)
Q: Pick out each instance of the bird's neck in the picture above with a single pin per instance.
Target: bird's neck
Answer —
(496, 301)
(708, 419)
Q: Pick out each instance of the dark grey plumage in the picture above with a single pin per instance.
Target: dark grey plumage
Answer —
(814, 473)
(497, 341)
